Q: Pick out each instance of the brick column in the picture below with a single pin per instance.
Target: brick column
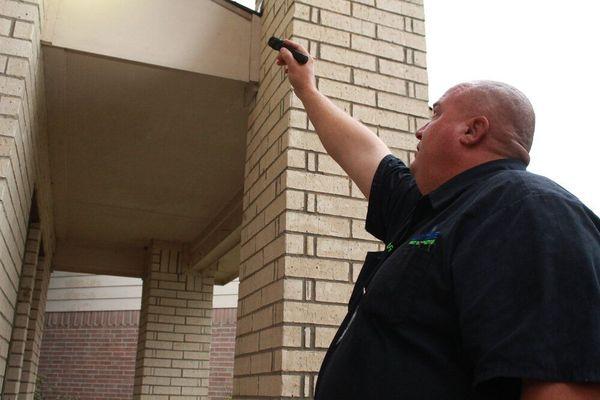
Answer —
(175, 327)
(303, 237)
(35, 330)
(12, 378)
(23, 151)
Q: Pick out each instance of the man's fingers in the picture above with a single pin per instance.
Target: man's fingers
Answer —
(296, 46)
(286, 56)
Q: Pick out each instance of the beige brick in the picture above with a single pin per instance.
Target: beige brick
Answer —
(406, 141)
(168, 354)
(377, 47)
(316, 182)
(10, 106)
(374, 116)
(332, 71)
(186, 364)
(401, 7)
(290, 385)
(344, 248)
(246, 386)
(301, 360)
(17, 67)
(269, 385)
(303, 140)
(317, 224)
(329, 166)
(184, 382)
(260, 363)
(174, 372)
(340, 6)
(333, 292)
(380, 17)
(19, 10)
(157, 362)
(5, 26)
(348, 57)
(195, 355)
(192, 393)
(405, 105)
(421, 92)
(341, 206)
(420, 59)
(3, 62)
(403, 71)
(418, 26)
(313, 313)
(296, 158)
(359, 232)
(165, 389)
(23, 30)
(16, 47)
(316, 268)
(321, 33)
(403, 38)
(380, 82)
(324, 336)
(348, 23)
(292, 289)
(347, 92)
(301, 11)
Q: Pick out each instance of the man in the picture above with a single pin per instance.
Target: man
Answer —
(489, 287)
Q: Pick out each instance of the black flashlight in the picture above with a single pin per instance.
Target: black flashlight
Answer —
(277, 44)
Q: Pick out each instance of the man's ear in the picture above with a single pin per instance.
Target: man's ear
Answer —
(476, 129)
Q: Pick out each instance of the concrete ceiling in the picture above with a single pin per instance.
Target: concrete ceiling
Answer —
(140, 152)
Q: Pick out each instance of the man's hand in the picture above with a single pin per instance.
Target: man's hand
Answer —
(302, 77)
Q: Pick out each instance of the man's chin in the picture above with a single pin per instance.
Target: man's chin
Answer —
(414, 165)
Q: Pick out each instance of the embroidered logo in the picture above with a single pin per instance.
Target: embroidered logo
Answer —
(389, 247)
(426, 239)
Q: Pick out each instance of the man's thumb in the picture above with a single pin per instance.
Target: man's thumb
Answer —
(286, 55)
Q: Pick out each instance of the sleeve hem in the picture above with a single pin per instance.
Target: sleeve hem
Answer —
(371, 221)
(550, 375)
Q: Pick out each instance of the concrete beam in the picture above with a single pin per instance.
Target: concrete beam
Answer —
(102, 261)
(207, 37)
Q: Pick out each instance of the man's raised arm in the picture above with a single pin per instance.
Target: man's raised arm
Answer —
(351, 144)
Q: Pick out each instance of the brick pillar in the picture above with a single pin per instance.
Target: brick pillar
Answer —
(303, 237)
(12, 378)
(35, 330)
(23, 150)
(175, 328)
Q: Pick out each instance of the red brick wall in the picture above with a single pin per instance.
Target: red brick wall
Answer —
(89, 355)
(221, 353)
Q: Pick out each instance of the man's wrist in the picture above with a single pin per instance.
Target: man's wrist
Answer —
(306, 94)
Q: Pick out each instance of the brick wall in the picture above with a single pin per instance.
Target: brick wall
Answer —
(221, 353)
(89, 355)
(303, 239)
(23, 160)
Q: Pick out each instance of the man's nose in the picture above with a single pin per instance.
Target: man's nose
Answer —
(419, 133)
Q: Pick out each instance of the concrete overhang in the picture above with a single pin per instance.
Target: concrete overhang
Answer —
(142, 152)
(211, 37)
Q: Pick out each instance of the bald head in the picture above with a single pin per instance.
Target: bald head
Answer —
(510, 114)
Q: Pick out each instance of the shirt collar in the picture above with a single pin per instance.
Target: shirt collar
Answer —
(452, 188)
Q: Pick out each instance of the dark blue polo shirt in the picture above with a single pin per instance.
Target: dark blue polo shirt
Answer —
(493, 277)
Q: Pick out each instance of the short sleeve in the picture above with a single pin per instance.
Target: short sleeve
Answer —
(527, 289)
(393, 195)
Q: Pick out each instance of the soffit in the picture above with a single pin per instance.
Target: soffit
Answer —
(139, 152)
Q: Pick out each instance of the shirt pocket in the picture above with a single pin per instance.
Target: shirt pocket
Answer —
(391, 294)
